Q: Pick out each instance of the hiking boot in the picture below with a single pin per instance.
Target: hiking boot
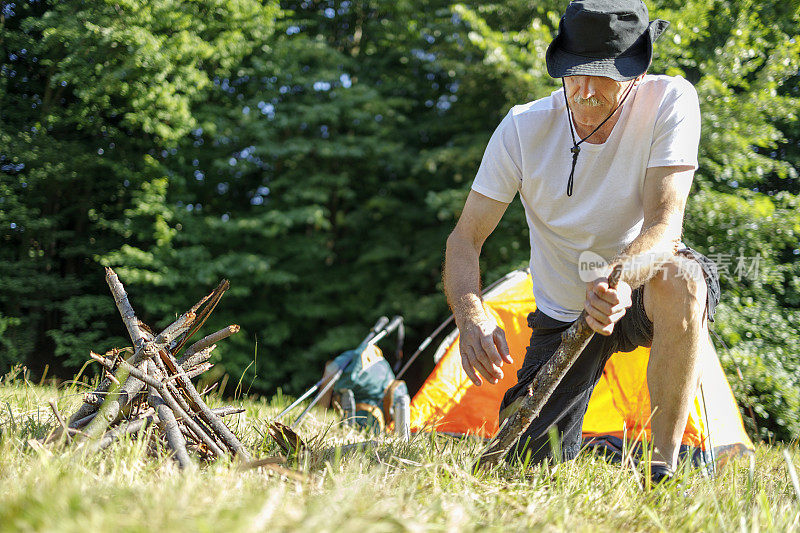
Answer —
(660, 473)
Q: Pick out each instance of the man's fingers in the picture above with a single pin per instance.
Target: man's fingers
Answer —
(617, 316)
(469, 370)
(602, 321)
(601, 287)
(479, 369)
(480, 363)
(609, 296)
(601, 306)
(502, 346)
(598, 315)
(494, 360)
(484, 368)
(605, 309)
(605, 317)
(602, 329)
(619, 297)
(483, 351)
(614, 302)
(606, 306)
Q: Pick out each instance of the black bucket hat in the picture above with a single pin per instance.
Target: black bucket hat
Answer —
(611, 38)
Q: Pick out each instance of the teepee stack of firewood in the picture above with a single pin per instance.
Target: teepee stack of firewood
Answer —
(148, 384)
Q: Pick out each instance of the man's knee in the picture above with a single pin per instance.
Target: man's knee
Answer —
(678, 291)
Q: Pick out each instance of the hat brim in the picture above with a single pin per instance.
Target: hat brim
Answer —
(561, 63)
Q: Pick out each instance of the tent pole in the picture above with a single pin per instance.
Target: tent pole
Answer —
(319, 395)
(295, 403)
(708, 426)
(749, 405)
(424, 345)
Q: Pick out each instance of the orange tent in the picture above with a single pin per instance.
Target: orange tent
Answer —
(619, 406)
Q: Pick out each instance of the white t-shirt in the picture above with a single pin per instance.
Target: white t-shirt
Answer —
(529, 153)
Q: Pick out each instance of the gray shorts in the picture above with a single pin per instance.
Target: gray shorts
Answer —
(567, 405)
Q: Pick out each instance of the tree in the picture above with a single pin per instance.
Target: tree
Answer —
(94, 96)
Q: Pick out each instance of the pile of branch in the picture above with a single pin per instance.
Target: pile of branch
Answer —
(148, 384)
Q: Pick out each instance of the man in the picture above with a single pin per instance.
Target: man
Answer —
(603, 165)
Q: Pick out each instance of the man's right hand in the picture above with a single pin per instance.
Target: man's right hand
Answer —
(483, 349)
(482, 343)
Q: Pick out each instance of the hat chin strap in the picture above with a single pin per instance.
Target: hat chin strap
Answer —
(576, 148)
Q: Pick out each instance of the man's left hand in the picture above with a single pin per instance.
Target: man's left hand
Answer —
(605, 306)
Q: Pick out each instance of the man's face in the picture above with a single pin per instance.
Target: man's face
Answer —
(592, 98)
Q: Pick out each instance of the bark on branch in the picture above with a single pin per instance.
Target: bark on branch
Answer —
(173, 404)
(211, 302)
(216, 423)
(188, 361)
(173, 433)
(208, 340)
(134, 426)
(180, 326)
(125, 309)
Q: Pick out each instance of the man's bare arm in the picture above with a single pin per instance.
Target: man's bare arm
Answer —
(482, 344)
(666, 190)
(479, 218)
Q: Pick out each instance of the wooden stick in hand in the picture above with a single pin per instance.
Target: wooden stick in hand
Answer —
(573, 341)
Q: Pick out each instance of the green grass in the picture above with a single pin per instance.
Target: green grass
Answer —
(420, 486)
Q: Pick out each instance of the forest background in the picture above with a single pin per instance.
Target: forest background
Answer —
(317, 154)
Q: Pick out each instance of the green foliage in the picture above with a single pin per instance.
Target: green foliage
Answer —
(754, 238)
(317, 154)
(93, 96)
(10, 353)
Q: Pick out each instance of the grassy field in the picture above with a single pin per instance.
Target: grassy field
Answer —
(424, 485)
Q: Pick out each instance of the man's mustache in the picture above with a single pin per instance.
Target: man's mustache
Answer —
(591, 101)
